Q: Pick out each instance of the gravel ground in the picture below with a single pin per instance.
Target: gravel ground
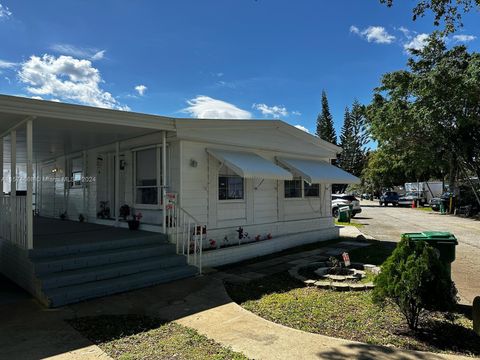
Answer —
(389, 223)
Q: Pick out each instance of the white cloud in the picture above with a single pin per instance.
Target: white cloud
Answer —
(296, 113)
(66, 78)
(406, 32)
(463, 38)
(5, 13)
(376, 34)
(7, 64)
(417, 43)
(354, 29)
(275, 111)
(140, 89)
(303, 128)
(89, 53)
(204, 107)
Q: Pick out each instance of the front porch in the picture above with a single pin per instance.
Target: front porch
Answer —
(73, 261)
(55, 233)
(74, 162)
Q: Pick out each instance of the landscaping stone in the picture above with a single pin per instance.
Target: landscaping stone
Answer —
(323, 284)
(340, 286)
(476, 315)
(336, 277)
(369, 286)
(310, 282)
(357, 287)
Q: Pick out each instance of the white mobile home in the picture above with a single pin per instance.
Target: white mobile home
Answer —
(209, 192)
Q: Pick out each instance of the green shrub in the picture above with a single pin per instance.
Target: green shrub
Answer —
(416, 280)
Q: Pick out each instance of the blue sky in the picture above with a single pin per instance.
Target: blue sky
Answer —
(210, 58)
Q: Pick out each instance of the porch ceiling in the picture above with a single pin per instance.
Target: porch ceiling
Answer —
(60, 129)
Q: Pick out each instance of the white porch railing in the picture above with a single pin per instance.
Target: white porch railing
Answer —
(186, 232)
(16, 234)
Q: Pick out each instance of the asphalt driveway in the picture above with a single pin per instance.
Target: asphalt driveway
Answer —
(389, 223)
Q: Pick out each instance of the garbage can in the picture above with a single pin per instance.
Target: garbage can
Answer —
(443, 241)
(344, 214)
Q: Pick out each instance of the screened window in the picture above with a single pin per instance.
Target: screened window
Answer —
(146, 181)
(311, 190)
(230, 187)
(76, 175)
(293, 188)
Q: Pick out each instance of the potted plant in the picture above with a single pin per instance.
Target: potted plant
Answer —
(134, 223)
(124, 211)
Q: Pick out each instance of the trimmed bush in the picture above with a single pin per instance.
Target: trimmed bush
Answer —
(416, 280)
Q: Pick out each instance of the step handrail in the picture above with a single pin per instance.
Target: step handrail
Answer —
(186, 232)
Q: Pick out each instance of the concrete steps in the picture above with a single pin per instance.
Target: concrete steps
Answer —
(69, 274)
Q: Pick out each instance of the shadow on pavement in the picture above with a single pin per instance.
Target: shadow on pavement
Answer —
(368, 352)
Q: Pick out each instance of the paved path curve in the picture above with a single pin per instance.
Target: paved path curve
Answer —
(257, 338)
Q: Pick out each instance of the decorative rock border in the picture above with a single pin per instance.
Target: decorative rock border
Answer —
(336, 282)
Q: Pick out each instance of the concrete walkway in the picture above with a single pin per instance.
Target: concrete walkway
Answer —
(257, 338)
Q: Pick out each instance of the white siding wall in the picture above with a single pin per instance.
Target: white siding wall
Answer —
(263, 210)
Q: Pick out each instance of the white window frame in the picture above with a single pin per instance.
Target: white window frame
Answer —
(230, 201)
(158, 175)
(302, 197)
(301, 191)
(311, 196)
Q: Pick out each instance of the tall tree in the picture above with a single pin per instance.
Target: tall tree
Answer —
(347, 143)
(325, 129)
(448, 11)
(429, 114)
(353, 138)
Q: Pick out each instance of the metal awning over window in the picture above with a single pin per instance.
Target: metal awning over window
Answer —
(250, 165)
(316, 171)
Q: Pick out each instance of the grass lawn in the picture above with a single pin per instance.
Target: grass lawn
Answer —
(128, 337)
(353, 315)
(424, 208)
(351, 223)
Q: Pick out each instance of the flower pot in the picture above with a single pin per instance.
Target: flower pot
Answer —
(133, 224)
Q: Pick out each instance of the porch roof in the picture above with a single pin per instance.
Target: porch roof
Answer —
(318, 172)
(60, 129)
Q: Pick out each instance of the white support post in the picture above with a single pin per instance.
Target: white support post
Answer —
(29, 204)
(13, 183)
(1, 167)
(117, 182)
(164, 180)
(84, 183)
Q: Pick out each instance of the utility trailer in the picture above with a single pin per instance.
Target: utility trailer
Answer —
(421, 192)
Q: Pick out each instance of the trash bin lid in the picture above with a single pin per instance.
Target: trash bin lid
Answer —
(443, 236)
(440, 235)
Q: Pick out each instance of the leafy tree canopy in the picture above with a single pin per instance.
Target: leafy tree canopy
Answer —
(428, 116)
(448, 11)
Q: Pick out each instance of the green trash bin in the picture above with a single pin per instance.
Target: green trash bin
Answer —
(344, 214)
(443, 241)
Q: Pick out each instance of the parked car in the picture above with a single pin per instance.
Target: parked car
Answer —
(409, 197)
(340, 200)
(389, 197)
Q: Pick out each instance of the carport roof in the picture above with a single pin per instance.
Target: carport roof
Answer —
(60, 129)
